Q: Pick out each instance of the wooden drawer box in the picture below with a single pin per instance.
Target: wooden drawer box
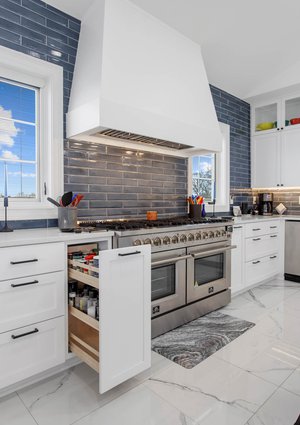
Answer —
(22, 261)
(27, 351)
(31, 299)
(261, 246)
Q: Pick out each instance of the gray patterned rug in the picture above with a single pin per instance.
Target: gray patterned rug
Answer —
(192, 343)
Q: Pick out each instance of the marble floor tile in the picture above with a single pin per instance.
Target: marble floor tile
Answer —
(13, 412)
(69, 396)
(281, 325)
(293, 383)
(283, 408)
(265, 357)
(212, 390)
(291, 305)
(140, 406)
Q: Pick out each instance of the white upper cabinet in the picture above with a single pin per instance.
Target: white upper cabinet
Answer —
(275, 143)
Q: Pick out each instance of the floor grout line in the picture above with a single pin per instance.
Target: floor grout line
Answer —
(27, 408)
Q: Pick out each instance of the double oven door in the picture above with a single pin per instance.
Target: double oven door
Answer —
(168, 280)
(208, 270)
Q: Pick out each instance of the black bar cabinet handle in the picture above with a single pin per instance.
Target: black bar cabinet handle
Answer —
(17, 285)
(129, 253)
(273, 256)
(25, 334)
(255, 230)
(273, 227)
(24, 261)
(255, 262)
(256, 239)
(273, 236)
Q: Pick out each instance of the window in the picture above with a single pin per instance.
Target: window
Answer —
(19, 139)
(209, 174)
(31, 134)
(204, 176)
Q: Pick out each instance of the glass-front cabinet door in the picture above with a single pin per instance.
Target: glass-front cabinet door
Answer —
(265, 117)
(291, 112)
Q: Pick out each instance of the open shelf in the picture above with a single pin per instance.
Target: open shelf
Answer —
(84, 278)
(85, 352)
(83, 317)
(77, 263)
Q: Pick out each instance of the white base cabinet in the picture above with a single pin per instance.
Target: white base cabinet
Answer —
(258, 253)
(32, 349)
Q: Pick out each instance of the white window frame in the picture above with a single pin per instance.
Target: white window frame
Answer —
(48, 77)
(222, 173)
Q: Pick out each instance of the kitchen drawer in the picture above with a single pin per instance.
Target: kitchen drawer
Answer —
(31, 299)
(27, 351)
(29, 260)
(261, 269)
(261, 246)
(259, 228)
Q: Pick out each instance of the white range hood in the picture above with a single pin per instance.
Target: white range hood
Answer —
(140, 84)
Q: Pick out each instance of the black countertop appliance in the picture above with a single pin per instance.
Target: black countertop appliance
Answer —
(265, 205)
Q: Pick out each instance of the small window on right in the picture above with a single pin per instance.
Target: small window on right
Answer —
(209, 175)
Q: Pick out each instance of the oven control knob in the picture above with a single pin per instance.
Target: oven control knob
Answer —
(190, 237)
(183, 238)
(198, 236)
(175, 239)
(211, 235)
(137, 242)
(223, 232)
(147, 241)
(157, 241)
(204, 235)
(217, 234)
(166, 240)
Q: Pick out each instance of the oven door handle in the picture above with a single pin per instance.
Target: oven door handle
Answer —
(213, 251)
(170, 260)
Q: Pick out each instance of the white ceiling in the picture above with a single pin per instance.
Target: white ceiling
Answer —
(248, 46)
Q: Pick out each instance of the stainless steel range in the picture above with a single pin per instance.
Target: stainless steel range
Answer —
(190, 264)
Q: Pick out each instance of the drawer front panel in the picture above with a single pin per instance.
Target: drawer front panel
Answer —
(21, 261)
(30, 300)
(30, 350)
(262, 269)
(261, 246)
(257, 229)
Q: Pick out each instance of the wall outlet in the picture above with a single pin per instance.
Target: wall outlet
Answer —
(232, 200)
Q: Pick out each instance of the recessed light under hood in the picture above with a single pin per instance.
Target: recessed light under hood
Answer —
(139, 82)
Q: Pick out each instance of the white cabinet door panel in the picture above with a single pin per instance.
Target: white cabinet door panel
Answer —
(125, 314)
(290, 156)
(265, 160)
(30, 300)
(27, 351)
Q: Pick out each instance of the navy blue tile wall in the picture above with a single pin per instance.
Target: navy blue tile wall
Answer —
(236, 113)
(37, 29)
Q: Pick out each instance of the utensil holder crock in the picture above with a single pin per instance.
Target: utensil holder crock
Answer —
(195, 211)
(67, 218)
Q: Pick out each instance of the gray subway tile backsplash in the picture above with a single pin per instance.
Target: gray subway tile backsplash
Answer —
(116, 183)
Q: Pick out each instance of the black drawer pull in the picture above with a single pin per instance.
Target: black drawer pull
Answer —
(273, 256)
(25, 334)
(255, 262)
(24, 262)
(273, 236)
(273, 227)
(256, 239)
(255, 230)
(238, 227)
(129, 253)
(17, 285)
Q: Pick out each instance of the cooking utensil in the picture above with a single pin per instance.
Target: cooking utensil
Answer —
(66, 199)
(76, 201)
(52, 201)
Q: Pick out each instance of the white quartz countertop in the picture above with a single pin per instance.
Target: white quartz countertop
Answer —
(252, 219)
(37, 236)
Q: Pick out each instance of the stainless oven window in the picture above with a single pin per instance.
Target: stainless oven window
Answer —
(209, 269)
(163, 281)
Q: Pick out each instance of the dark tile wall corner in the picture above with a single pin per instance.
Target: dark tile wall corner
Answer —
(118, 183)
(236, 113)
